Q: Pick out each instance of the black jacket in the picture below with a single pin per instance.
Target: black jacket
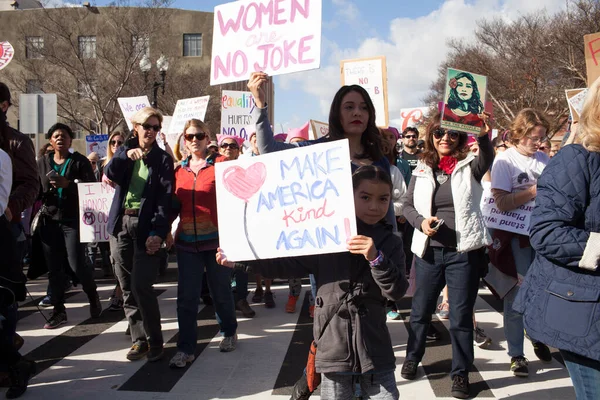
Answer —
(357, 338)
(155, 207)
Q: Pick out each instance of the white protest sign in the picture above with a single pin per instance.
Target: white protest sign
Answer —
(412, 117)
(516, 221)
(288, 203)
(371, 74)
(7, 53)
(236, 109)
(131, 105)
(276, 37)
(186, 109)
(96, 143)
(318, 129)
(575, 98)
(95, 199)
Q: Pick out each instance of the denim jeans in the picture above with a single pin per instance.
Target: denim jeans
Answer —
(585, 374)
(372, 386)
(136, 271)
(460, 271)
(241, 285)
(513, 321)
(191, 266)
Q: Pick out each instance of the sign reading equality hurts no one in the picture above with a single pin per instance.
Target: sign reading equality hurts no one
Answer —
(288, 203)
(371, 74)
(276, 37)
(236, 113)
(95, 199)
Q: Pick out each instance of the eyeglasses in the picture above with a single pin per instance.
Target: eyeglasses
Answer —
(232, 146)
(440, 133)
(155, 128)
(410, 136)
(501, 145)
(199, 136)
(537, 139)
(117, 142)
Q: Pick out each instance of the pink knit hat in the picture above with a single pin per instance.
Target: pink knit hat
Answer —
(471, 141)
(301, 133)
(394, 131)
(238, 139)
(280, 137)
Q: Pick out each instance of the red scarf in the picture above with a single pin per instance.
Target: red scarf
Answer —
(447, 164)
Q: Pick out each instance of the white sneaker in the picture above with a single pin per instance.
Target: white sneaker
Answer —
(181, 359)
(481, 339)
(229, 343)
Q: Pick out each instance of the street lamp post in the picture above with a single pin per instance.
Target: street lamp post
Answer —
(162, 64)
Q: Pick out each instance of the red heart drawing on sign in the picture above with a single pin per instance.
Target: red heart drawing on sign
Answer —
(244, 183)
(6, 54)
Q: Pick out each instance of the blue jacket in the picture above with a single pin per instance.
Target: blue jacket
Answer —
(560, 295)
(155, 206)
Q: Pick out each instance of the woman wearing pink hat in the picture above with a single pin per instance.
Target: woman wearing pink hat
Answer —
(229, 146)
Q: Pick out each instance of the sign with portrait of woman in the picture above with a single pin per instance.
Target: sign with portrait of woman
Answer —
(463, 101)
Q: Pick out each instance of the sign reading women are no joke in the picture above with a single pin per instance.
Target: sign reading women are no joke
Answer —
(287, 203)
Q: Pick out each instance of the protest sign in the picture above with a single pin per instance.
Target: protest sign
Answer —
(575, 99)
(592, 56)
(170, 139)
(95, 199)
(131, 105)
(291, 203)
(516, 220)
(96, 143)
(464, 100)
(276, 37)
(6, 54)
(371, 74)
(412, 117)
(236, 110)
(318, 128)
(186, 109)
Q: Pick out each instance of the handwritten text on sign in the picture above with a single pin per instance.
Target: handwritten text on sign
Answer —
(95, 199)
(292, 202)
(186, 109)
(370, 73)
(96, 144)
(592, 56)
(236, 110)
(273, 36)
(319, 129)
(131, 105)
(516, 220)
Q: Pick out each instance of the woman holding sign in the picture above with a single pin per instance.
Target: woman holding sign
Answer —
(514, 184)
(449, 242)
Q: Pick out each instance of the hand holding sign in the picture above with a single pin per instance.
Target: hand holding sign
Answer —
(255, 85)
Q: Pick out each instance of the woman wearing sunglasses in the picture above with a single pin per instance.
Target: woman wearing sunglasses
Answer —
(196, 241)
(229, 146)
(449, 242)
(138, 224)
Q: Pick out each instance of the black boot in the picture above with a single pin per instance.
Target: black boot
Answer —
(301, 390)
(95, 305)
(20, 373)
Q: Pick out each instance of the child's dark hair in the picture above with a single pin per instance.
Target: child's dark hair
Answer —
(371, 173)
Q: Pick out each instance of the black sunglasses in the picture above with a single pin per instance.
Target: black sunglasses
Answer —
(439, 133)
(117, 142)
(199, 136)
(147, 127)
(232, 146)
(410, 137)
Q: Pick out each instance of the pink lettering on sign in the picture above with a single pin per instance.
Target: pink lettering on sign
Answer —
(275, 56)
(238, 64)
(363, 81)
(594, 46)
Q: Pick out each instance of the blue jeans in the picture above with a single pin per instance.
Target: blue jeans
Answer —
(370, 386)
(585, 374)
(241, 285)
(513, 321)
(191, 266)
(460, 271)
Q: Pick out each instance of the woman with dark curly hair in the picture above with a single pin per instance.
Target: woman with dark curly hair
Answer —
(464, 103)
(449, 242)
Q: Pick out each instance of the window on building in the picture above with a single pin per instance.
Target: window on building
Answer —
(87, 46)
(140, 45)
(33, 87)
(192, 45)
(34, 46)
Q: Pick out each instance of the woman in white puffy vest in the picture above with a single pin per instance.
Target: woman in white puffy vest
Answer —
(449, 242)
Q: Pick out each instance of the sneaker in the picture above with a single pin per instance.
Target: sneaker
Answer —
(243, 306)
(229, 343)
(257, 297)
(393, 314)
(57, 318)
(20, 374)
(460, 387)
(46, 302)
(138, 351)
(409, 370)
(95, 305)
(518, 366)
(443, 310)
(481, 339)
(311, 311)
(542, 352)
(269, 300)
(290, 306)
(181, 360)
(115, 304)
(433, 333)
(155, 353)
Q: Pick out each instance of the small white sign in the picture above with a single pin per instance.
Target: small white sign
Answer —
(236, 113)
(516, 221)
(131, 105)
(186, 109)
(95, 199)
(97, 144)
